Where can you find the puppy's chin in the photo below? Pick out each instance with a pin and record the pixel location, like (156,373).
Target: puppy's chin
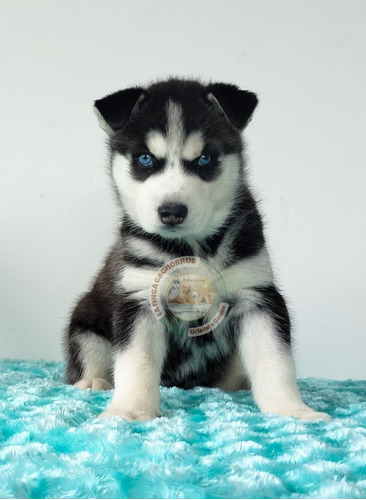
(172,232)
(183,232)
(177,231)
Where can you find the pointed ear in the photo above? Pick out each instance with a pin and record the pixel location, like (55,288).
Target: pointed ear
(238,105)
(114,110)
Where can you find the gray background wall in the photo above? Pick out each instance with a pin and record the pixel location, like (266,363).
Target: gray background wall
(305,59)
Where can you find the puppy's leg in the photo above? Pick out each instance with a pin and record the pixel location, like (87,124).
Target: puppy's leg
(266,354)
(90,361)
(87,341)
(137,372)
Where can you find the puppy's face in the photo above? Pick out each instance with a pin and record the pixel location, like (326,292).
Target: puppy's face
(177,162)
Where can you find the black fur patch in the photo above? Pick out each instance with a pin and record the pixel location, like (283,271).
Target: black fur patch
(207,173)
(116,108)
(274,304)
(237,104)
(140,173)
(127,312)
(213,350)
(174,247)
(249,237)
(242,231)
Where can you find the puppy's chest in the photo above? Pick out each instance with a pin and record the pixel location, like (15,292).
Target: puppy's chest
(200,360)
(226,280)
(212,344)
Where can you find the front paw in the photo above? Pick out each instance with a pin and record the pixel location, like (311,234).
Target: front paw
(302,412)
(312,415)
(95,384)
(131,415)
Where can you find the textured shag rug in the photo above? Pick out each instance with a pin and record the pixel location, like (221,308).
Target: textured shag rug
(208,444)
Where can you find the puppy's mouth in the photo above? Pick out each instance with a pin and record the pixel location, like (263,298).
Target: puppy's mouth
(174,231)
(171,229)
(172,221)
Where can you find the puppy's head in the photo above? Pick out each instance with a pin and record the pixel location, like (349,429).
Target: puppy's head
(176,153)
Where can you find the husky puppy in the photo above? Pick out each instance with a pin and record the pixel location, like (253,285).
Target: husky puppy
(177,160)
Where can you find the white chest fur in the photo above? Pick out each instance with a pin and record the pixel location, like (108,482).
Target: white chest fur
(249,273)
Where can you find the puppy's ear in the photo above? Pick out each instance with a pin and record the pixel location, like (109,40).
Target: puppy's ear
(114,110)
(238,105)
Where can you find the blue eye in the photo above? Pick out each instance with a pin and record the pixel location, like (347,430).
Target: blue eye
(204,160)
(145,160)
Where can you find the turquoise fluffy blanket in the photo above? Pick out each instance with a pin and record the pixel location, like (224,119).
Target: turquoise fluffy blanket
(208,444)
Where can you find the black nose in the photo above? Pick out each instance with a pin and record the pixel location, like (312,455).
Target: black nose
(172,213)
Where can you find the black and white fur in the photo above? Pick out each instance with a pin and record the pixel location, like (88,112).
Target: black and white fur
(113,337)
